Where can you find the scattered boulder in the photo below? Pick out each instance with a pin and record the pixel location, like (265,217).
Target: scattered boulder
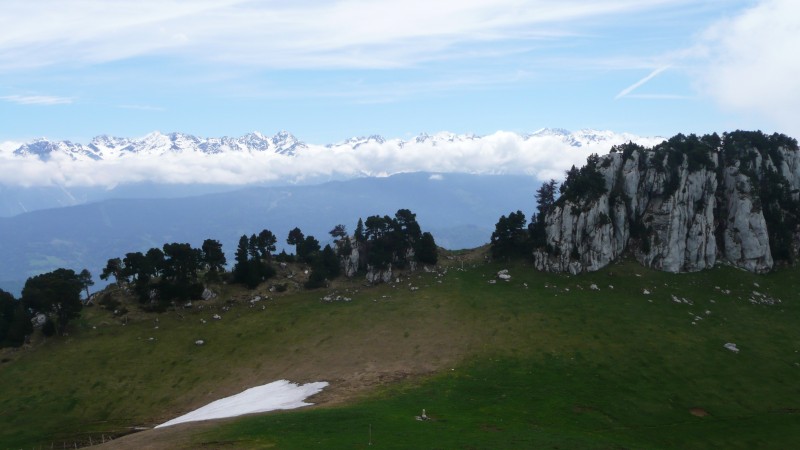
(330,298)
(681,300)
(732,347)
(758,298)
(199,342)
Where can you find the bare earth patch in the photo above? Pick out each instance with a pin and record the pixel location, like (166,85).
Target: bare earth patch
(698,412)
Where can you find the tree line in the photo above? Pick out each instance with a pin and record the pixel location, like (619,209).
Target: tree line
(53,297)
(179,272)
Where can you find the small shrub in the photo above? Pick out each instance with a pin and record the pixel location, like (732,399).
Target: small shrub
(108,302)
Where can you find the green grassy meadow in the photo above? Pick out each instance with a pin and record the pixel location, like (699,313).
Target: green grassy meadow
(540,361)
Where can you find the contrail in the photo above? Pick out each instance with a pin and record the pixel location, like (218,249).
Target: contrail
(644,80)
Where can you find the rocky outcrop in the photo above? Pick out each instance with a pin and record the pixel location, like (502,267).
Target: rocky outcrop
(681,206)
(350,256)
(353,258)
(377,275)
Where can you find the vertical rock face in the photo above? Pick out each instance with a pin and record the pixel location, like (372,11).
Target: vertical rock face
(351,262)
(745,237)
(682,224)
(681,206)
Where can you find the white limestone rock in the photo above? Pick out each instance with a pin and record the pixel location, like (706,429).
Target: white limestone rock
(683,215)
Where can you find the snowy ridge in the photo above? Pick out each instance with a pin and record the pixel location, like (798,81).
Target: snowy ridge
(586,137)
(156,143)
(283,143)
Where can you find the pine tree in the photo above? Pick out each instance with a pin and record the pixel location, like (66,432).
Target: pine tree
(242,266)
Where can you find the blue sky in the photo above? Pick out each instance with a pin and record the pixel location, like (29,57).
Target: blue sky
(330,70)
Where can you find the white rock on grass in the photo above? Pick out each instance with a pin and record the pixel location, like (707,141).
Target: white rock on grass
(732,347)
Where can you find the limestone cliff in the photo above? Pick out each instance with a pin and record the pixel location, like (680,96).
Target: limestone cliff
(683,205)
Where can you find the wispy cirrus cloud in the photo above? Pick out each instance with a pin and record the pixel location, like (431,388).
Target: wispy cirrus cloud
(37,99)
(308,34)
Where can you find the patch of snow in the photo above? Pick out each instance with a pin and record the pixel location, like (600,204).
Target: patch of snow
(281,394)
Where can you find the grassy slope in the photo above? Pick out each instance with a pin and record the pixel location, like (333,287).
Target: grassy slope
(504,366)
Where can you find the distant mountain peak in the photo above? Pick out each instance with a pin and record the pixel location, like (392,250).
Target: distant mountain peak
(551,132)
(45,149)
(358,141)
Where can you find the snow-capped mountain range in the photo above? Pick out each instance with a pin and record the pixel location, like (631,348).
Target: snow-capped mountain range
(107,147)
(284,143)
(177,160)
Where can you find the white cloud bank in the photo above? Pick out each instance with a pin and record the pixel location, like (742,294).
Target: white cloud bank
(751,64)
(541,155)
(277,395)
